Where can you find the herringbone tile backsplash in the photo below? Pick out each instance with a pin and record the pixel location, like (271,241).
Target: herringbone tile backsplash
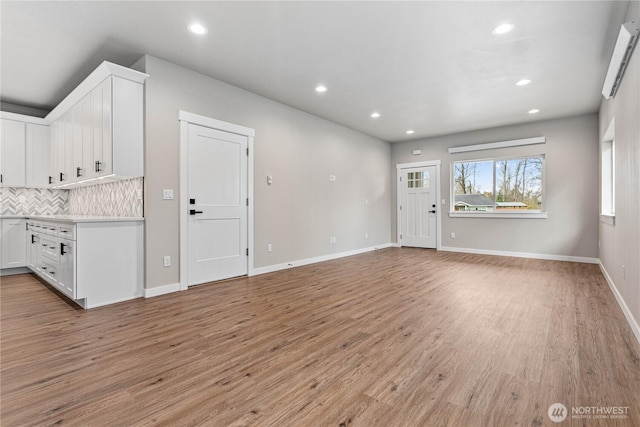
(118,199)
(33,201)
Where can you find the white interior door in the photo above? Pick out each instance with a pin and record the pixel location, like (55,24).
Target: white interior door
(418,207)
(217,192)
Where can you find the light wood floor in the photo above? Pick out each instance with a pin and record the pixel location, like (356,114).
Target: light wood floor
(397,337)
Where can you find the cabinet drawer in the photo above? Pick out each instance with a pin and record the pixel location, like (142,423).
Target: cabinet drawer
(50,271)
(67,232)
(49,248)
(48,228)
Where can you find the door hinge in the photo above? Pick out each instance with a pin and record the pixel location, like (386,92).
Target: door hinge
(400,207)
(401,237)
(247,151)
(247,201)
(247,251)
(400,178)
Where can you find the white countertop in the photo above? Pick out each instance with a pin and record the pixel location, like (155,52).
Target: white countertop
(74,218)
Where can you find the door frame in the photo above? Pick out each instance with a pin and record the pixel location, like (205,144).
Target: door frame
(186,119)
(399,172)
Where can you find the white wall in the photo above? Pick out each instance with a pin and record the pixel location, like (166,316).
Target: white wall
(620,243)
(302,209)
(570,198)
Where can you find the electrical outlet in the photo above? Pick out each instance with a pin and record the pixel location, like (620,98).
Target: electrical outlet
(624,272)
(332,178)
(167,261)
(269,247)
(453,235)
(167,194)
(366,201)
(366,235)
(332,239)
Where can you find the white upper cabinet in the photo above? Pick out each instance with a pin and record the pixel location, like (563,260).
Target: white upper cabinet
(12,153)
(102,123)
(55,140)
(37,155)
(96,132)
(24,152)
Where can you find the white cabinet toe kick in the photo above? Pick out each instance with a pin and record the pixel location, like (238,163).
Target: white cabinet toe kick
(92,263)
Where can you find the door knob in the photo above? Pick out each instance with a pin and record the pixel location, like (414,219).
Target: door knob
(433,211)
(193,212)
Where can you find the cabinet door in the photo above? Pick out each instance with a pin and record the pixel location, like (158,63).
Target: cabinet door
(102,145)
(33,242)
(76,118)
(65,154)
(54,132)
(37,150)
(87,138)
(14,243)
(66,267)
(12,153)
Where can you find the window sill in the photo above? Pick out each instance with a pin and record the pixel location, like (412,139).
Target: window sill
(608,219)
(529,215)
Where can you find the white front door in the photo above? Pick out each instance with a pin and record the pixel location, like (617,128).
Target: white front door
(418,207)
(217,204)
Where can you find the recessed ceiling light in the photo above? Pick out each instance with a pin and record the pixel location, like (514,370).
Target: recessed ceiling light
(199,29)
(409,132)
(502,29)
(375,115)
(534,111)
(523,82)
(321,88)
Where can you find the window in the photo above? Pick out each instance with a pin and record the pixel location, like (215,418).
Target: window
(608,182)
(608,173)
(502,186)
(417,180)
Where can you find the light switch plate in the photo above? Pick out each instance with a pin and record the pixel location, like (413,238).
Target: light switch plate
(167,194)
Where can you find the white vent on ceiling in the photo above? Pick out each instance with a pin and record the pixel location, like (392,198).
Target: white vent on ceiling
(621,54)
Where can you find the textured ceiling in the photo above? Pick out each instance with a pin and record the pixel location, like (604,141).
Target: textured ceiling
(433,67)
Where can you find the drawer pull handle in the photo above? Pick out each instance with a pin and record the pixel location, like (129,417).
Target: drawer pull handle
(62,252)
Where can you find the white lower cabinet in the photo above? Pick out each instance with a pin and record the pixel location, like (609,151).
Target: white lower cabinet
(66,267)
(93,263)
(13,252)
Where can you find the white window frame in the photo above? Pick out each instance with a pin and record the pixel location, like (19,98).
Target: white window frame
(608,176)
(535,214)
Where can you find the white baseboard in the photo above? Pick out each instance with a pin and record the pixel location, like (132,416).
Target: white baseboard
(115,301)
(301,262)
(160,290)
(522,255)
(623,305)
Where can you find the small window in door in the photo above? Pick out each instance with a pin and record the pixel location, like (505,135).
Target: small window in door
(417,180)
